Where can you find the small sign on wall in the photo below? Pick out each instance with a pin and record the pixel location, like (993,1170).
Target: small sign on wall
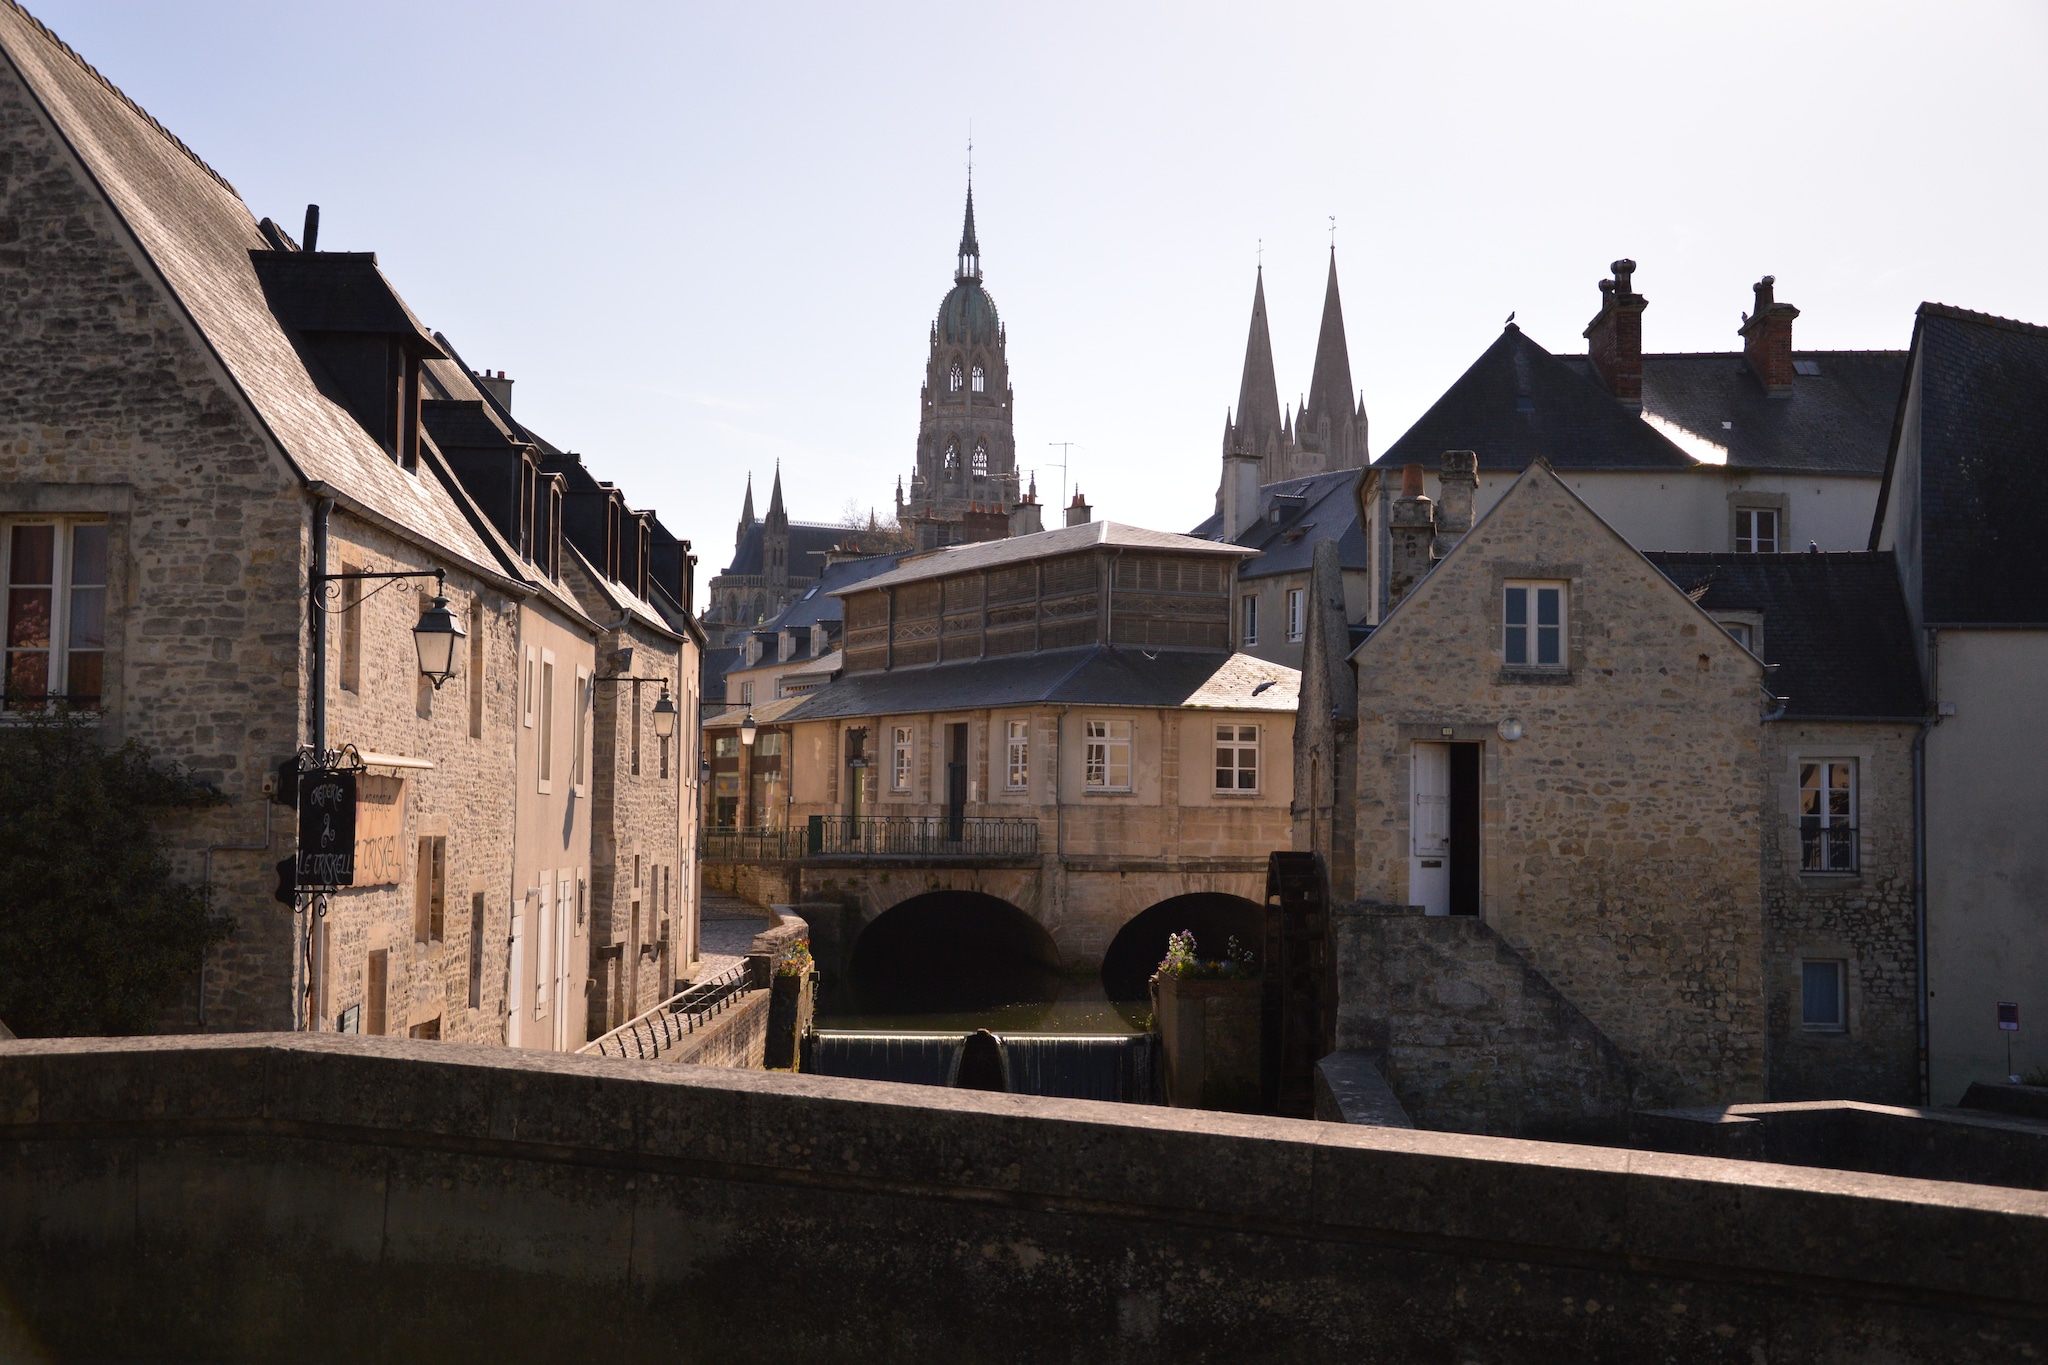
(350,1020)
(2009,1015)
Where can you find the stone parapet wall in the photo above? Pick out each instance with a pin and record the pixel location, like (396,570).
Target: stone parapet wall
(738,1038)
(268,1198)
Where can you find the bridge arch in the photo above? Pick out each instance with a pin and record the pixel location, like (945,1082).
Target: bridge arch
(1213,917)
(948,950)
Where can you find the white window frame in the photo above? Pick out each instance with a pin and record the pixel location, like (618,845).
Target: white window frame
(953,378)
(1017,756)
(902,757)
(978,377)
(747,693)
(1840,1023)
(579,732)
(1106,755)
(1750,520)
(532,683)
(1828,854)
(1233,742)
(1295,615)
(1248,619)
(63,556)
(545,767)
(1530,632)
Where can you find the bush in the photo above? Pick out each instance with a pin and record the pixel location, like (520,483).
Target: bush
(1183,963)
(95,937)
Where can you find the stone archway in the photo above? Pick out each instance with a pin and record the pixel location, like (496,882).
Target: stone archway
(1213,917)
(945,950)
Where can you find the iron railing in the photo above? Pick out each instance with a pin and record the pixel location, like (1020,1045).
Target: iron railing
(876,836)
(674,1019)
(1827,848)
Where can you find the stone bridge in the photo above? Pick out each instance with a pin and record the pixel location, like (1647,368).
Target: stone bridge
(330,1198)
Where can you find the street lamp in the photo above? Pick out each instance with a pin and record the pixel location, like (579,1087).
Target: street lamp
(664,714)
(748,730)
(434,639)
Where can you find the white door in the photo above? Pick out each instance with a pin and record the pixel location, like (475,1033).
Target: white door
(565,929)
(1429,829)
(543,966)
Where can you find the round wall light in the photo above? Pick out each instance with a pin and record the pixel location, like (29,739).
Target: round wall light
(1510,730)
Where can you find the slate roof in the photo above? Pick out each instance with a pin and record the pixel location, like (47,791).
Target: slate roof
(1317,508)
(713,665)
(196,231)
(1835,625)
(817,602)
(989,554)
(1983,475)
(808,543)
(1518,403)
(1093,675)
(1836,421)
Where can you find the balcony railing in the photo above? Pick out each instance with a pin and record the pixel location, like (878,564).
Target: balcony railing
(1827,848)
(876,836)
(660,1029)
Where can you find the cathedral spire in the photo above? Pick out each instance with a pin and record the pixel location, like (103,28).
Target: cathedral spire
(970,249)
(1329,417)
(1258,396)
(775,512)
(747,509)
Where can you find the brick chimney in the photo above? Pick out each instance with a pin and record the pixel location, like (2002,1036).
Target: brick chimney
(497,386)
(1411,532)
(1456,486)
(1614,338)
(1767,338)
(1079,513)
(1240,492)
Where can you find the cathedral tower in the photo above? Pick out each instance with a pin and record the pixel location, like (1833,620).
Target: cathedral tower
(1328,432)
(964,484)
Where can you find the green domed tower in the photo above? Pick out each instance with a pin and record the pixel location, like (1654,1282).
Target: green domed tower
(964,486)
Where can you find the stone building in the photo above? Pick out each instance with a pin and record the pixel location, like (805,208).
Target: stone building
(1761,450)
(1287,523)
(774,562)
(200,416)
(1050,733)
(1633,873)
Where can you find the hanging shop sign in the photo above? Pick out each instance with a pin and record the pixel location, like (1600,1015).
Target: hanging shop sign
(380,820)
(327,828)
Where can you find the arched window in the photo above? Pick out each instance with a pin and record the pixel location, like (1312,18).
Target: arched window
(953,455)
(953,379)
(980,380)
(980,458)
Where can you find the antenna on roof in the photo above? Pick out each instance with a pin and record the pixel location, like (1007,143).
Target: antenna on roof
(1064,446)
(1333,234)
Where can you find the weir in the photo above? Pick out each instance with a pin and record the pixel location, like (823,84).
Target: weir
(1116,1067)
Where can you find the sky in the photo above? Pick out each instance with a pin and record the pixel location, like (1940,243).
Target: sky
(705,239)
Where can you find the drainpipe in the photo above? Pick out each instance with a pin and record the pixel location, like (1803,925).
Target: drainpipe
(303,933)
(1920,857)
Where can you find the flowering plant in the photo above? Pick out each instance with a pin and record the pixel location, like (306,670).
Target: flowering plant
(1182,962)
(796,959)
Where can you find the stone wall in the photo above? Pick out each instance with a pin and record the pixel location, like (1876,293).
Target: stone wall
(350,1198)
(1863,920)
(1619,841)
(736,1038)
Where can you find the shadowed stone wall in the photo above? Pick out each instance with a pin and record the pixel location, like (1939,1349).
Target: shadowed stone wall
(339,1198)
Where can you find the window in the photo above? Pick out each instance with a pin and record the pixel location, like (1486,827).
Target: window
(746,694)
(663,740)
(953,379)
(1237,758)
(1294,615)
(1018,760)
(476,949)
(376,990)
(953,454)
(900,748)
(351,631)
(431,1030)
(1756,531)
(980,460)
(547,721)
(527,704)
(476,669)
(430,890)
(422,690)
(636,733)
(1827,815)
(1822,998)
(1740,630)
(980,380)
(1107,756)
(1532,625)
(1250,616)
(56,613)
(578,729)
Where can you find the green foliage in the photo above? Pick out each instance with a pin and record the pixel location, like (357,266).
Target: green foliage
(1184,963)
(796,959)
(95,937)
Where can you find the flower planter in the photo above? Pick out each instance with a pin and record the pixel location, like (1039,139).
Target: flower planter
(1209,1033)
(791,1002)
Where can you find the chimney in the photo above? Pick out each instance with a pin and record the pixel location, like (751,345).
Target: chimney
(1078,514)
(1240,493)
(497,386)
(1411,533)
(309,240)
(1767,339)
(1455,487)
(1614,338)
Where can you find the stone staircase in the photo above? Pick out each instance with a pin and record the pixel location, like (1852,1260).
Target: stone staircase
(1470,1036)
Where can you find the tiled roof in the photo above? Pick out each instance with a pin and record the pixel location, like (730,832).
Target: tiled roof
(764,713)
(989,554)
(1319,507)
(1836,420)
(1518,403)
(1834,624)
(197,232)
(1983,470)
(1094,675)
(808,544)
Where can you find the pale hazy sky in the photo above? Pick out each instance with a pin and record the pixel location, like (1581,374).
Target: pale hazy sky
(705,237)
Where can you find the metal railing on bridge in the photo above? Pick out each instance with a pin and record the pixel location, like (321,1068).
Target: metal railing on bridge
(674,1019)
(877,836)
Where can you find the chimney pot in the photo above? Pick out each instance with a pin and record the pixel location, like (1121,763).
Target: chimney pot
(1767,339)
(1411,480)
(309,240)
(1614,338)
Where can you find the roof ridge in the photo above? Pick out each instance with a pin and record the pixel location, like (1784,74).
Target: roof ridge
(1949,310)
(123,96)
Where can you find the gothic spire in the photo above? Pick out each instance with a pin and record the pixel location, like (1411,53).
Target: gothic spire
(1258,396)
(970,249)
(747,509)
(1329,388)
(775,512)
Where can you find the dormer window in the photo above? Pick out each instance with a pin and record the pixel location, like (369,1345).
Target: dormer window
(980,457)
(953,380)
(980,380)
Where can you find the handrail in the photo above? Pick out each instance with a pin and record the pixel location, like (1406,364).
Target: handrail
(883,836)
(648,1035)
